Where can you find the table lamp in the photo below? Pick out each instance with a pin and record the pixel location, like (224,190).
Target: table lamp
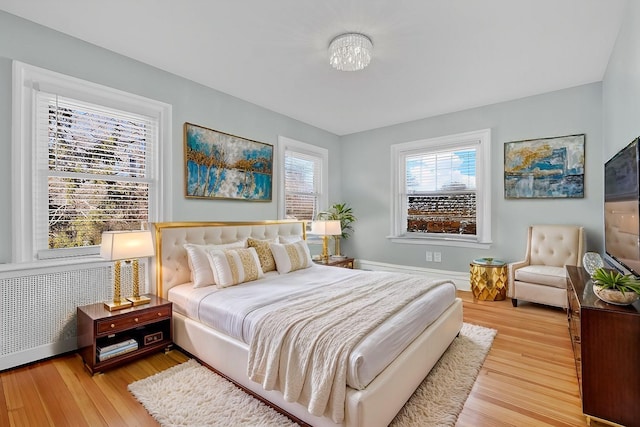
(126,246)
(326,229)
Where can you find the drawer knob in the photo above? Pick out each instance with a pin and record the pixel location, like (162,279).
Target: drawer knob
(159,314)
(113,325)
(136,319)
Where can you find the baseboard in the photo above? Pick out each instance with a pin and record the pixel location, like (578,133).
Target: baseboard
(31,355)
(460,279)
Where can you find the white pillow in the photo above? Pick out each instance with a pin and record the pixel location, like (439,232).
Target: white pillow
(201,274)
(233,266)
(289,239)
(291,256)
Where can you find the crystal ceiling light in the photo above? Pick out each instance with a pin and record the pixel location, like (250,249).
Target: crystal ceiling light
(350,52)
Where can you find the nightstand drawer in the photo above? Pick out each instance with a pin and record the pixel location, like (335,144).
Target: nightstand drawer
(118,323)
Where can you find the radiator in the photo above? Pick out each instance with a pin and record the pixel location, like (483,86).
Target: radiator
(38,315)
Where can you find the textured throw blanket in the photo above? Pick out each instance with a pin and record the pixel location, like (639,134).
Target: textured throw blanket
(302,349)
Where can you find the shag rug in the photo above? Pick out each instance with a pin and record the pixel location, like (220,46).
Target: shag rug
(192,395)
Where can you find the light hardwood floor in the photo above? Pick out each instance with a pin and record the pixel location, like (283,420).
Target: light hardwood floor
(528,379)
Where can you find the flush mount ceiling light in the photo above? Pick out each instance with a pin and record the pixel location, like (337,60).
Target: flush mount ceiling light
(350,52)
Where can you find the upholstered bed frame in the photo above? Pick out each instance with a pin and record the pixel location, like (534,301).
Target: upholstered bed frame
(374,406)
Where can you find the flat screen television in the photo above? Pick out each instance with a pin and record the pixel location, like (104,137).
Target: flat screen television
(622,210)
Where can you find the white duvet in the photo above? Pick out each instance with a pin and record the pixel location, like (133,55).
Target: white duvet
(235,311)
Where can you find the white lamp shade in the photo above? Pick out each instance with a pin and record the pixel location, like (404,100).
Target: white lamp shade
(119,245)
(326,228)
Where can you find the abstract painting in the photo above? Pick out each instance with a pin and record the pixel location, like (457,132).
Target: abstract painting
(544,168)
(223,166)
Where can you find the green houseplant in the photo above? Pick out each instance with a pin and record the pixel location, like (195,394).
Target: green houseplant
(343,213)
(615,288)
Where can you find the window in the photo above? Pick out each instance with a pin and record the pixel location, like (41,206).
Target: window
(304,179)
(443,190)
(96,153)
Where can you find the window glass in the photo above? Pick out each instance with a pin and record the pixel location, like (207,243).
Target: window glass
(302,185)
(94,161)
(443,190)
(86,159)
(303,179)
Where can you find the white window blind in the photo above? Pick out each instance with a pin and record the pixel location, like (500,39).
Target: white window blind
(302,180)
(441,171)
(93,170)
(441,191)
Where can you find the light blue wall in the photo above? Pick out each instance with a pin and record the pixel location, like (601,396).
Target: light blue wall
(621,85)
(366,176)
(359,163)
(36,45)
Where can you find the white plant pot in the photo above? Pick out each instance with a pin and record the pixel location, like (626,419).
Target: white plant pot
(615,297)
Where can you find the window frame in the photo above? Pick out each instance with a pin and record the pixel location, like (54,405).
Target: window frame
(287,144)
(400,151)
(26,80)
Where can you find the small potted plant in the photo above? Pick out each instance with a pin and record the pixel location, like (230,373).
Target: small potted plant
(615,288)
(339,212)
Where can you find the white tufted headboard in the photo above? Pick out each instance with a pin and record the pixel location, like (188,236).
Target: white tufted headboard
(172,267)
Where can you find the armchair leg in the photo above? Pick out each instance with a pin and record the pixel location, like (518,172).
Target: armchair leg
(514,302)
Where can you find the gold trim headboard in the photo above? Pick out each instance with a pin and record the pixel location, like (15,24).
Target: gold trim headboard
(171,265)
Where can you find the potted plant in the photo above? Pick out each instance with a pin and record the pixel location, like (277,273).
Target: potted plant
(339,212)
(615,288)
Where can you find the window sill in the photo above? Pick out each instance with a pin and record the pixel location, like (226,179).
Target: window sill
(439,242)
(78,262)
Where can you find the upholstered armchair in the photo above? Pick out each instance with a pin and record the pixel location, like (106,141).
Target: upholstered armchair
(541,276)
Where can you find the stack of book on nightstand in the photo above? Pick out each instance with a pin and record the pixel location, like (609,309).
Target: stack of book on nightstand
(117,349)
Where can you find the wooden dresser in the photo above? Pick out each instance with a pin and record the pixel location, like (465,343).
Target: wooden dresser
(606,347)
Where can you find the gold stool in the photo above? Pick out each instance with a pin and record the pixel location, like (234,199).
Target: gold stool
(488,279)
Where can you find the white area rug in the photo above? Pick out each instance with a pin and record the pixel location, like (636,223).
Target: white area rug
(192,395)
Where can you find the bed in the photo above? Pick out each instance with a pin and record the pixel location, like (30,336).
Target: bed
(378,382)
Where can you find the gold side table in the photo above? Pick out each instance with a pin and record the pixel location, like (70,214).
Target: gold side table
(488,279)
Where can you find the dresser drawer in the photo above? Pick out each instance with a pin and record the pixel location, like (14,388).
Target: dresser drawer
(129,320)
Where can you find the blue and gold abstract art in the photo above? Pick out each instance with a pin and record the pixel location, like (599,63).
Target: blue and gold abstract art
(544,168)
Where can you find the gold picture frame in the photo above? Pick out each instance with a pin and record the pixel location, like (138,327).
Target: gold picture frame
(219,165)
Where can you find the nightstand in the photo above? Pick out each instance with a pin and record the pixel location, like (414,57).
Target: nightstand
(107,339)
(338,262)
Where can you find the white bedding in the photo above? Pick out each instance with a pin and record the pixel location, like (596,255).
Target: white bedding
(235,310)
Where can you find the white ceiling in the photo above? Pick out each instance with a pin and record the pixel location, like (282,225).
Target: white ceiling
(430,56)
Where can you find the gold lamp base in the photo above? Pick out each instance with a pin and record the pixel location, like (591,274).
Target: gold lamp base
(140,300)
(117,305)
(325,249)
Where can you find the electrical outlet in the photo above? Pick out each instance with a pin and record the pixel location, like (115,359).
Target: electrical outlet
(429,256)
(437,256)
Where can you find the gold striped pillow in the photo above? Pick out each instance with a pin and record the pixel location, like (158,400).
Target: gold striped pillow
(291,256)
(234,266)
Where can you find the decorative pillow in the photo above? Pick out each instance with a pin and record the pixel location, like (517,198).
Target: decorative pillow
(233,266)
(291,256)
(201,274)
(264,253)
